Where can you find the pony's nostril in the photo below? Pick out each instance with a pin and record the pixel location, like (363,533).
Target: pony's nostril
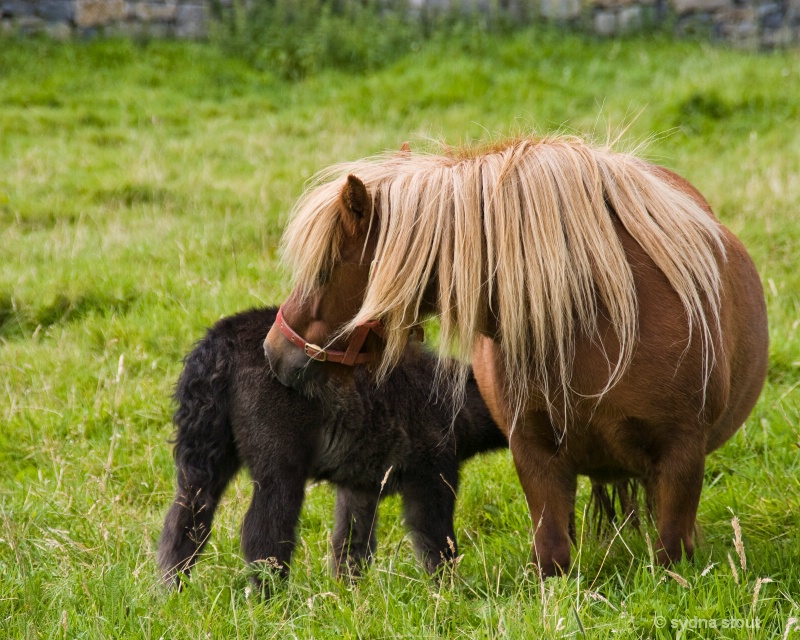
(287,367)
(274,355)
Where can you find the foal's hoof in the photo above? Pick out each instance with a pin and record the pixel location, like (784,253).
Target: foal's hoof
(173,580)
(266,575)
(350,569)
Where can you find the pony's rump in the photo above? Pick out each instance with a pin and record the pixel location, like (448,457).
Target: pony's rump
(525,233)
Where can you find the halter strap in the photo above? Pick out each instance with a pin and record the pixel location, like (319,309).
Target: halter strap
(352,356)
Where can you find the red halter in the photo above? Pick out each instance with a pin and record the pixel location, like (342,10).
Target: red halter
(350,357)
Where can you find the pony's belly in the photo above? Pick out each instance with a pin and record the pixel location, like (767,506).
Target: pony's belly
(604,467)
(611,450)
(609,474)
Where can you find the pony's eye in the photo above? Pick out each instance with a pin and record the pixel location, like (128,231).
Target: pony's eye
(322,278)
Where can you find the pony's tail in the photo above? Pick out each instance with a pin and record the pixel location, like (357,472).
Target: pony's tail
(205,455)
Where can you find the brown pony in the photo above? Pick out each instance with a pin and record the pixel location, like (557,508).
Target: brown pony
(615,327)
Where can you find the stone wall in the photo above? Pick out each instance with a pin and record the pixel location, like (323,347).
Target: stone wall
(145,18)
(744,23)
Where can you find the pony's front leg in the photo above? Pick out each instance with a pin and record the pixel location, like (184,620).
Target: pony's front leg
(675,490)
(268,531)
(354,531)
(549,485)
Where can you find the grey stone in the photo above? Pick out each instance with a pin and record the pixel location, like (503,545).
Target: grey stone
(560,9)
(630,19)
(605,23)
(697,24)
(739,27)
(686,6)
(155,11)
(769,7)
(190,21)
(95,13)
(771,19)
(793,13)
(125,29)
(611,4)
(56,10)
(89,33)
(16,8)
(59,31)
(158,30)
(742,20)
(138,30)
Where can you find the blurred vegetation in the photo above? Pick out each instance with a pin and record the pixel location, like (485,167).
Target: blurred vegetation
(297,38)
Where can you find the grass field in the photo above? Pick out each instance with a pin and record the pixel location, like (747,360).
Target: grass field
(143,190)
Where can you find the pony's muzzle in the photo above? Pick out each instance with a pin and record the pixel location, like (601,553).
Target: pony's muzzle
(290,365)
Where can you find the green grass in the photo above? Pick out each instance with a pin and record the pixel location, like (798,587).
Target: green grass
(143,190)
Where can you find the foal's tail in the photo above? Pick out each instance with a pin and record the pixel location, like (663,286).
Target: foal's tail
(205,455)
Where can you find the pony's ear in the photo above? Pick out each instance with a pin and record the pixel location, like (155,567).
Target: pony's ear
(355,202)
(405,149)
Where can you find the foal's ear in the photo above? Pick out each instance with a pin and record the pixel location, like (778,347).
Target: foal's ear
(355,203)
(405,149)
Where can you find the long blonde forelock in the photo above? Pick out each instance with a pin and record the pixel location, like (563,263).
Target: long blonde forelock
(521,230)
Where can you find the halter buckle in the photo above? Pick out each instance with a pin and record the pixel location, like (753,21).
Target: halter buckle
(315,352)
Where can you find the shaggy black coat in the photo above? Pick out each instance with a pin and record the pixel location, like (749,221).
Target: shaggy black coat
(232,412)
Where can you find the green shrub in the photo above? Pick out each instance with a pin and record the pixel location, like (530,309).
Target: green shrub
(294,39)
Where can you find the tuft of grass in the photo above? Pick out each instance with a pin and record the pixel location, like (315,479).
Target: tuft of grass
(143,190)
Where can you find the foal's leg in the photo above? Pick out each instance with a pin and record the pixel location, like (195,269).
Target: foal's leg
(354,531)
(268,531)
(549,485)
(675,488)
(428,504)
(187,525)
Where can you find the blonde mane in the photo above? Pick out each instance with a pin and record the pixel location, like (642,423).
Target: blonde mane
(521,230)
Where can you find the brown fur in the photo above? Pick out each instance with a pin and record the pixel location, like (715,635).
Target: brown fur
(647,400)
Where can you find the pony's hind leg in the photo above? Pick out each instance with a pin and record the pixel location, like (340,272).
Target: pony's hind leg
(354,531)
(675,489)
(268,530)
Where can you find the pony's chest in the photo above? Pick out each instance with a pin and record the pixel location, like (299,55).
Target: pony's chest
(358,453)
